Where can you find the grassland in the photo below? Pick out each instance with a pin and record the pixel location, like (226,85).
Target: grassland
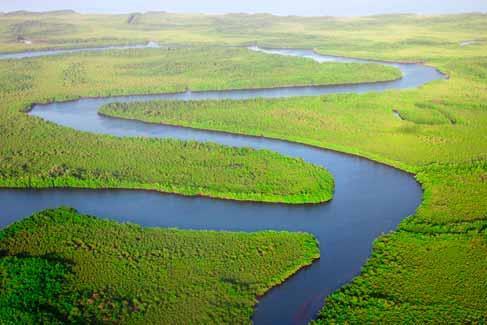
(402,35)
(58,266)
(432,269)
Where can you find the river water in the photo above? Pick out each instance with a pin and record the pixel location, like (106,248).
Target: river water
(370,198)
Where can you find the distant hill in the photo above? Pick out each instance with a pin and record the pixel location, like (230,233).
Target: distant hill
(27,13)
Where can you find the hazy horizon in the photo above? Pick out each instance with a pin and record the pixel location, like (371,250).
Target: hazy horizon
(283,7)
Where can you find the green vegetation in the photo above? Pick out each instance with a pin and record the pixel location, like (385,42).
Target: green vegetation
(414,273)
(397,36)
(409,280)
(432,269)
(37,154)
(187,168)
(202,68)
(60,266)
(29,286)
(347,122)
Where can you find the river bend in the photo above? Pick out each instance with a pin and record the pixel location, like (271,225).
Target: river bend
(370,198)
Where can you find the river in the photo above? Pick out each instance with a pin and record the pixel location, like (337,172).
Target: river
(370,198)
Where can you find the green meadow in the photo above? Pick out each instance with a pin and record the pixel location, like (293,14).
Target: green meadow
(431,269)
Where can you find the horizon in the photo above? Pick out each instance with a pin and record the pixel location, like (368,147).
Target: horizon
(239,13)
(281,8)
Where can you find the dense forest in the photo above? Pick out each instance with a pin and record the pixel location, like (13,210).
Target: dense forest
(58,266)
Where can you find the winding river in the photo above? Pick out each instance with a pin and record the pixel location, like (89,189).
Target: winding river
(370,198)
